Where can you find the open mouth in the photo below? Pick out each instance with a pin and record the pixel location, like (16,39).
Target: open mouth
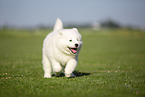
(73,50)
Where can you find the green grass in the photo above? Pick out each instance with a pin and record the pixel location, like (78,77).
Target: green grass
(111,64)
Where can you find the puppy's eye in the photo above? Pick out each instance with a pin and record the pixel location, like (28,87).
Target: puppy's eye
(70,40)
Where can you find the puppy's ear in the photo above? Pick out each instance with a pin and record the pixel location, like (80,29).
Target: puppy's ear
(75,29)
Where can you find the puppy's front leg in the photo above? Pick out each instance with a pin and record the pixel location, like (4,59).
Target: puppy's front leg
(70,67)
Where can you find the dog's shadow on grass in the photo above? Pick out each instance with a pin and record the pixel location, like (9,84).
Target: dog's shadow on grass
(80,74)
(77,73)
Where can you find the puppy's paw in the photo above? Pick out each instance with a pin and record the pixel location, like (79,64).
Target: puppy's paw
(70,75)
(47,75)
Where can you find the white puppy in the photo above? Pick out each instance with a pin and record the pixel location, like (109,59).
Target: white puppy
(60,50)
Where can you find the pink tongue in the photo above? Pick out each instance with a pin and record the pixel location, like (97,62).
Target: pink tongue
(74,51)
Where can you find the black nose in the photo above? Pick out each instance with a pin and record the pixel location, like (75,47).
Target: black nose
(76,45)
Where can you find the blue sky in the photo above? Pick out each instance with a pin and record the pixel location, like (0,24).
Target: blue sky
(36,12)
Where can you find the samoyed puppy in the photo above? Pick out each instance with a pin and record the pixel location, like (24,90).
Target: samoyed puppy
(60,51)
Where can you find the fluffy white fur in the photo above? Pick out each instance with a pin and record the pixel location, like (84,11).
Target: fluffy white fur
(60,50)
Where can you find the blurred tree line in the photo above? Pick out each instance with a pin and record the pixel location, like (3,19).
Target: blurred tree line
(109,23)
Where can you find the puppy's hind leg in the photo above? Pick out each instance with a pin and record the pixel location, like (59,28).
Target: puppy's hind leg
(56,67)
(46,66)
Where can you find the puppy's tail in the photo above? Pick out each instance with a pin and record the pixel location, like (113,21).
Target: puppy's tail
(58,25)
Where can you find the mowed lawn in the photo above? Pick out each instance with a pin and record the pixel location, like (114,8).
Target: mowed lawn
(111,64)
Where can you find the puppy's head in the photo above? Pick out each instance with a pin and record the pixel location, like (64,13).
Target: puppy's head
(70,41)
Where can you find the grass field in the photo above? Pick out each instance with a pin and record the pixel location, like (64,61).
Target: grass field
(111,64)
